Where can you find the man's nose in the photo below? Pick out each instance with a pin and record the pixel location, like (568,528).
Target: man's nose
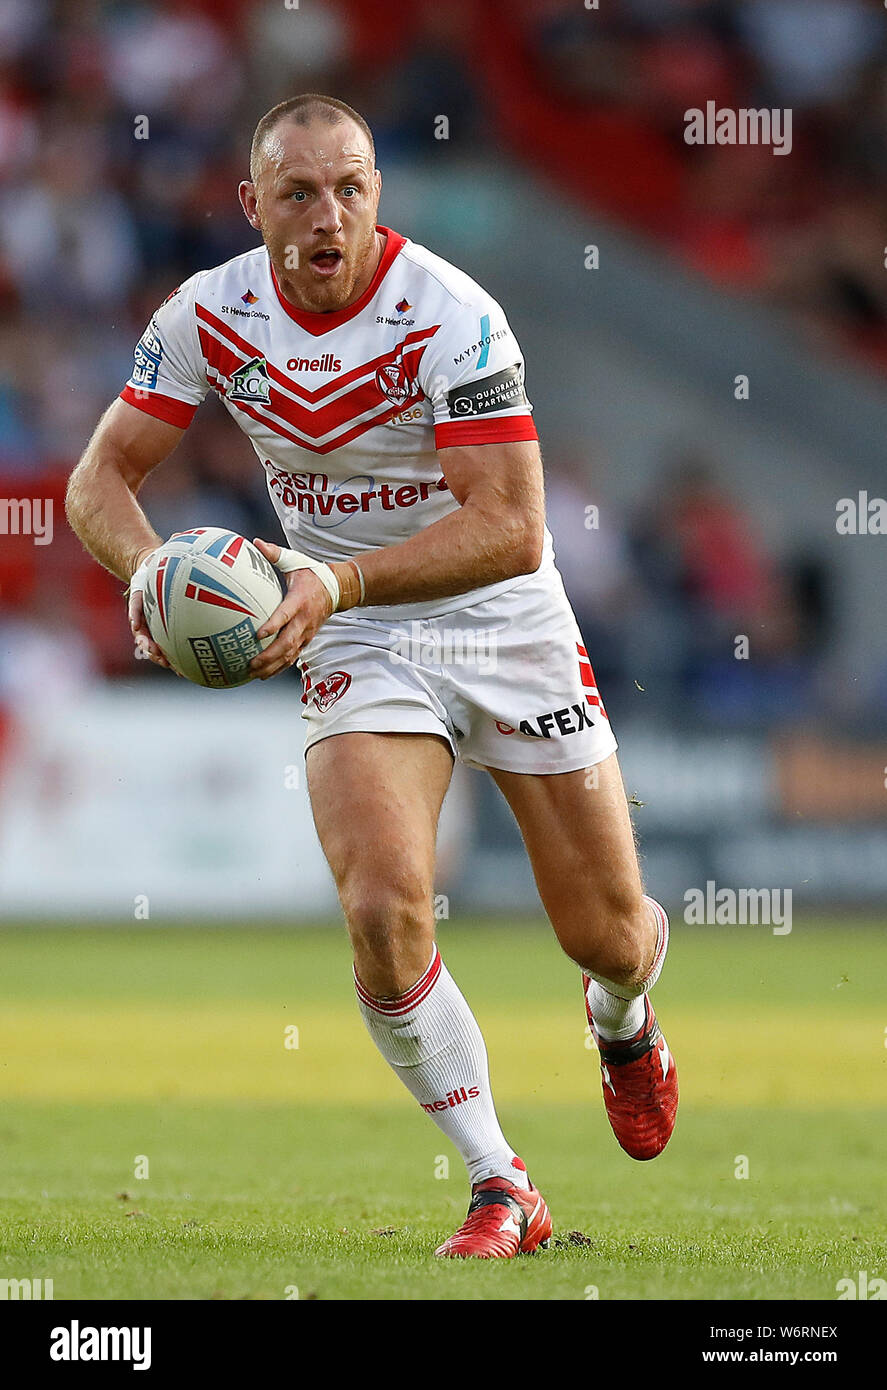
(327,214)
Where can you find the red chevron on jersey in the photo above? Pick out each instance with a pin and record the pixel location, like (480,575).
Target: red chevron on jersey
(363,405)
(419,335)
(319,426)
(359,428)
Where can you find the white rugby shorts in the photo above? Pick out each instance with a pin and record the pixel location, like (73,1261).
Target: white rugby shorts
(507,682)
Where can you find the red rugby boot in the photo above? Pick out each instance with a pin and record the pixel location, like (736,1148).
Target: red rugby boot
(640,1083)
(502,1221)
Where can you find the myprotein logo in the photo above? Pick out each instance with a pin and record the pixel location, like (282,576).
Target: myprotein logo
(455,1097)
(554,723)
(482,346)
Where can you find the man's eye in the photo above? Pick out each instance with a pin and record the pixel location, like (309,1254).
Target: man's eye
(299,195)
(349,190)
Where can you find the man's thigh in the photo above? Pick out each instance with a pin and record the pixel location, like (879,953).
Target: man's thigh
(376,800)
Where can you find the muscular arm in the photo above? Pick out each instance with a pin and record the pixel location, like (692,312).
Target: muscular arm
(496,533)
(101,501)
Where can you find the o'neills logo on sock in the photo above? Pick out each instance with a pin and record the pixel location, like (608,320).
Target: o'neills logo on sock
(457,1097)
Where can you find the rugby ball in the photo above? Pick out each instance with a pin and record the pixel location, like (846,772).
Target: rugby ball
(207,591)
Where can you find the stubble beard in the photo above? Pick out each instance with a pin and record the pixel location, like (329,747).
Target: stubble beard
(327,296)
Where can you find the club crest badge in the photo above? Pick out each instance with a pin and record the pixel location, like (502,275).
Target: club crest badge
(327,692)
(395,383)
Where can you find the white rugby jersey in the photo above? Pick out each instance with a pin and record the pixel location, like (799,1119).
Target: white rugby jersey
(345,410)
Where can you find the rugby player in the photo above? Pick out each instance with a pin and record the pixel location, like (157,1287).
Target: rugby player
(383,392)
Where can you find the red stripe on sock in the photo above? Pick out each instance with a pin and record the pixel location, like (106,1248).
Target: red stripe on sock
(663,933)
(403,1003)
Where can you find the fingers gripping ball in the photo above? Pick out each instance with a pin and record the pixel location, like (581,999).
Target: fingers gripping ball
(205,593)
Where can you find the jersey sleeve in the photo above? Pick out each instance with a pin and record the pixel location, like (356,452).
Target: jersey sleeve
(168,377)
(473,374)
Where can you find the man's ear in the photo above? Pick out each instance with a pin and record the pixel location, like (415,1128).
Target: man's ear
(249,202)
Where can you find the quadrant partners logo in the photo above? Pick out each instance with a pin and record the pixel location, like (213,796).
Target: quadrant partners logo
(502,391)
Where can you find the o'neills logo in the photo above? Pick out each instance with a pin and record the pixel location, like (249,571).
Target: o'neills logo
(457,1097)
(327,363)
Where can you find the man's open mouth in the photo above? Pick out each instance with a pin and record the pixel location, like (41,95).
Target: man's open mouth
(327,262)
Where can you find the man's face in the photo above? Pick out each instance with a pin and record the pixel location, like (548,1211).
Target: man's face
(315,199)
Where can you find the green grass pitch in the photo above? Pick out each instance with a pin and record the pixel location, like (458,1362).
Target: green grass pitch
(162,1136)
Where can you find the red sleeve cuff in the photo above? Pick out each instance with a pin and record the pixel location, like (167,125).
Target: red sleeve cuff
(510,430)
(167,408)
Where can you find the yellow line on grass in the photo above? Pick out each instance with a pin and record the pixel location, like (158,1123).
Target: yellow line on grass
(110,1052)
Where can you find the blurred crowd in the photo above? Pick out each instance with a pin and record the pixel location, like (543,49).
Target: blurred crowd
(683,598)
(123,131)
(613,87)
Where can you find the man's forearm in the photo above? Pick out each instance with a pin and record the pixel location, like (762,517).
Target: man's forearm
(103,511)
(464,550)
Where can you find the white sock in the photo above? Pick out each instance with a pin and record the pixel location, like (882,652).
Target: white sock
(619,1011)
(430,1038)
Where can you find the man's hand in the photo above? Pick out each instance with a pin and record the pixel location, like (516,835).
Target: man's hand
(144,643)
(295,621)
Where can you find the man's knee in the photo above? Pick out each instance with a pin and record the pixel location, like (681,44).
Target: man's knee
(391,923)
(616,939)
